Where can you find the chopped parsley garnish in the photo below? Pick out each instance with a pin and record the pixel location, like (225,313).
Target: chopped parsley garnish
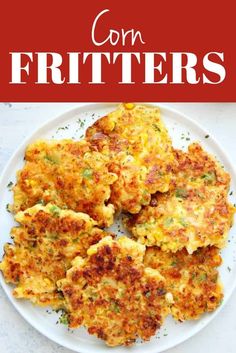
(8,208)
(115,308)
(202,277)
(156,127)
(75,240)
(210,176)
(87,173)
(181,193)
(183,222)
(168,221)
(40,202)
(80,122)
(55,210)
(63,319)
(10,184)
(62,128)
(51,159)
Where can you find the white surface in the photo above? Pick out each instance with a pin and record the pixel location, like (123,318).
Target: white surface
(15,335)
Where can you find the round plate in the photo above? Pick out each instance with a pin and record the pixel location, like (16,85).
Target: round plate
(72,125)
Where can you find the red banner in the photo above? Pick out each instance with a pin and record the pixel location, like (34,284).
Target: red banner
(117,51)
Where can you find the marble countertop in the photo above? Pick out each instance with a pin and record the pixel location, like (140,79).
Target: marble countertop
(20,119)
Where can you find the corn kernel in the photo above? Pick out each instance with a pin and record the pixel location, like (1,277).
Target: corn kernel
(47,281)
(129,106)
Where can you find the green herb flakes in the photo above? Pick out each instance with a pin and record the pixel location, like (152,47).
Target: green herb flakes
(181,193)
(115,308)
(168,221)
(9,185)
(210,177)
(55,210)
(156,127)
(87,173)
(63,319)
(50,159)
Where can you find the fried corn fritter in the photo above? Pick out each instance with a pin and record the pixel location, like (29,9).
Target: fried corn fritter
(68,174)
(113,295)
(46,241)
(195,211)
(193,279)
(140,149)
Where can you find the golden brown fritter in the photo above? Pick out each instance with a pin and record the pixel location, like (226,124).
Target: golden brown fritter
(68,174)
(193,279)
(194,213)
(46,241)
(139,147)
(113,295)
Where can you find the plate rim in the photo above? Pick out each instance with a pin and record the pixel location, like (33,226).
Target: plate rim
(80,108)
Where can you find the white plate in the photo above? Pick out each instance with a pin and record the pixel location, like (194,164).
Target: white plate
(172,333)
